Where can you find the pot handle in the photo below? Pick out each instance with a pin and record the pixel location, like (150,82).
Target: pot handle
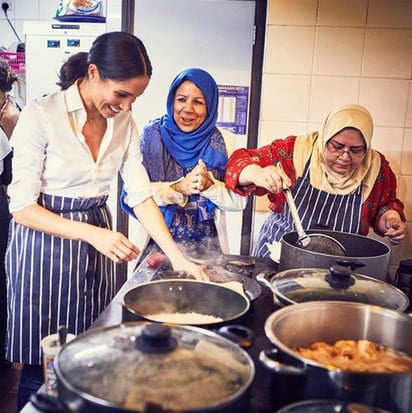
(240,335)
(47,403)
(269,359)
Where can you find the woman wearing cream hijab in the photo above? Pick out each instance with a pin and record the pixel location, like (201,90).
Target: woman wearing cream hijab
(338,181)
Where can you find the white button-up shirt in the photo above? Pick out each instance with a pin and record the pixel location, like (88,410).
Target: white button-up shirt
(51,154)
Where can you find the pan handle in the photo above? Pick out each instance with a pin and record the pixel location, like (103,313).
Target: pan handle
(241,335)
(47,403)
(269,359)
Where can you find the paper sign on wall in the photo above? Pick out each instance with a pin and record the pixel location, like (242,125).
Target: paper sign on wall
(233,108)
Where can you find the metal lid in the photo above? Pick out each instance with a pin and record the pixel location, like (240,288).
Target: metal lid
(329,406)
(138,364)
(338,283)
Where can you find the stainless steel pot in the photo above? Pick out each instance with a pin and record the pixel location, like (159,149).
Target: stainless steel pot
(329,406)
(330,321)
(336,283)
(374,255)
(145,367)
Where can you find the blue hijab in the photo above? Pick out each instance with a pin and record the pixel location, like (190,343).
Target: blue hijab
(188,147)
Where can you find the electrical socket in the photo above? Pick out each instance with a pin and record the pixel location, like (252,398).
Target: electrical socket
(10,3)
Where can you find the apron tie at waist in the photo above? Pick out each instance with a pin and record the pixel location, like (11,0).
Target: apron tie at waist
(95,209)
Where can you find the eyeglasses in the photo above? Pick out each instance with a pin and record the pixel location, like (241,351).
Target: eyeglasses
(338,149)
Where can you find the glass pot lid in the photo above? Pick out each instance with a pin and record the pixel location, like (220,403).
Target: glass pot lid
(139,364)
(337,283)
(329,406)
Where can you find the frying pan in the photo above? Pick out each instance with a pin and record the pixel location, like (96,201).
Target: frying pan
(312,242)
(186,296)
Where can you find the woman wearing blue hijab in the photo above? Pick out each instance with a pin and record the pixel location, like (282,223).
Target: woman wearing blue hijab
(185,155)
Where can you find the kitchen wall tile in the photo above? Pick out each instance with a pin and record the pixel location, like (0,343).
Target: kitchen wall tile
(393,13)
(270,130)
(292,12)
(47,9)
(8,39)
(338,51)
(404,193)
(289,49)
(389,142)
(406,162)
(408,121)
(330,91)
(27,9)
(388,53)
(285,97)
(350,13)
(386,99)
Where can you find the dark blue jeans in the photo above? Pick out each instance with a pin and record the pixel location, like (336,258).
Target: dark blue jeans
(31,379)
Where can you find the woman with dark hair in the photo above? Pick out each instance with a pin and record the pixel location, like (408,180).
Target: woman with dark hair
(6,155)
(9,114)
(74,68)
(9,109)
(68,148)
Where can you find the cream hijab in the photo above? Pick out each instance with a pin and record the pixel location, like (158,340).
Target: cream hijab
(313,146)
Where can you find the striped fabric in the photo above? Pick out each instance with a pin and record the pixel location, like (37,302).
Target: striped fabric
(54,281)
(316,208)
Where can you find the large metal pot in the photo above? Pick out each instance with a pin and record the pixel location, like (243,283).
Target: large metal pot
(330,321)
(329,406)
(336,283)
(150,367)
(373,254)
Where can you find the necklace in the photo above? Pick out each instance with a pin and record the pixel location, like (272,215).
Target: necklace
(92,119)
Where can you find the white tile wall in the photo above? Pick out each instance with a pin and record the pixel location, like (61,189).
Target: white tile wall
(362,53)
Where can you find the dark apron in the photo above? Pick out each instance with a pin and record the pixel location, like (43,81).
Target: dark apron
(317,209)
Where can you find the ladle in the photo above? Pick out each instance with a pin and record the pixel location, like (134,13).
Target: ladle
(313,242)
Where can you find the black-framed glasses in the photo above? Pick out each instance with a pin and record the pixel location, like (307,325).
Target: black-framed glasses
(338,149)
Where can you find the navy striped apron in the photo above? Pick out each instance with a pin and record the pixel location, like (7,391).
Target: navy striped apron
(317,209)
(54,281)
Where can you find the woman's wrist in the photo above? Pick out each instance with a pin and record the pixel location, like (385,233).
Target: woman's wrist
(176,187)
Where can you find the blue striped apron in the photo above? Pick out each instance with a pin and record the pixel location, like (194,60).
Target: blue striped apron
(54,281)
(317,209)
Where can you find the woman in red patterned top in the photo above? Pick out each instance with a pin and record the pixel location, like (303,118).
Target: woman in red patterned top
(338,181)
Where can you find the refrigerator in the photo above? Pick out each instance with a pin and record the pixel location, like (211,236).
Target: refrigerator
(48,45)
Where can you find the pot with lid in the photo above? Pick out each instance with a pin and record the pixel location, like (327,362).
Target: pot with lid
(373,254)
(145,367)
(336,283)
(329,406)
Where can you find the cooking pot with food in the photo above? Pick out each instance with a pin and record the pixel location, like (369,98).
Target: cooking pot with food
(152,367)
(336,283)
(373,254)
(387,332)
(187,301)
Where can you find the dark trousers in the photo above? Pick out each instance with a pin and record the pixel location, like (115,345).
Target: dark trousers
(31,379)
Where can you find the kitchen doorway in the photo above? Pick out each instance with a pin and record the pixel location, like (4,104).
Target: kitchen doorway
(224,37)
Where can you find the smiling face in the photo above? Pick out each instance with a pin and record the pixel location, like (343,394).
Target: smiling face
(350,140)
(108,97)
(189,107)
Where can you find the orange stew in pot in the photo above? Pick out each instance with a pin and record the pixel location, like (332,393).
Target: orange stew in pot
(357,355)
